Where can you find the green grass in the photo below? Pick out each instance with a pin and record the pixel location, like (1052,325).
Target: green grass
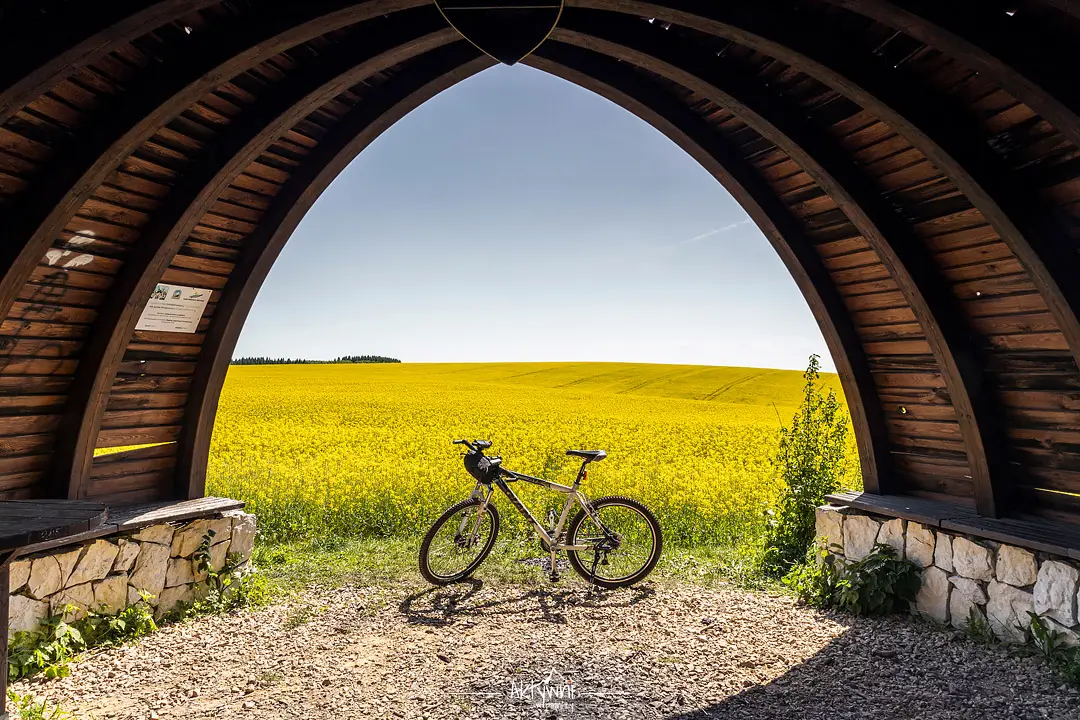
(390,563)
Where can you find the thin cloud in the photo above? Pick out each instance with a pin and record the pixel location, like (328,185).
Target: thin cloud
(710,233)
(670,249)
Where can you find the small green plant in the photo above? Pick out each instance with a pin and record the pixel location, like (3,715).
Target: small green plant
(811,460)
(223,590)
(978,629)
(879,584)
(46,649)
(49,648)
(1049,642)
(1041,638)
(814,580)
(25,707)
(132,622)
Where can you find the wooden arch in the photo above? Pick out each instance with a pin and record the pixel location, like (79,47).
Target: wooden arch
(915,164)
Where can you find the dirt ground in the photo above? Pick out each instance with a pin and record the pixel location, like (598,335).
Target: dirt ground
(479,651)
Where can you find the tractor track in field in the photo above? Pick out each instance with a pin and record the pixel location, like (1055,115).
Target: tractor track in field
(671,650)
(650,381)
(734,383)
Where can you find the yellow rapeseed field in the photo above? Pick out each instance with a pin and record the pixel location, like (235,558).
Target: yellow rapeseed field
(366,449)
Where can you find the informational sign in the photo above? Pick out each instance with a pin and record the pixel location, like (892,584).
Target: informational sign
(174,308)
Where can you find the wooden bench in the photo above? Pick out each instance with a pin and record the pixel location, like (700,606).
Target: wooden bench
(1039,534)
(30,522)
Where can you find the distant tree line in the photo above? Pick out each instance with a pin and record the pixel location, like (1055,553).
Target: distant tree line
(300,361)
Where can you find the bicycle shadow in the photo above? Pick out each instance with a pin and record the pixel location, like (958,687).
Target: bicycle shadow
(442,606)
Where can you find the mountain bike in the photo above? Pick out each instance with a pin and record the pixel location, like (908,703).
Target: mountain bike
(611,542)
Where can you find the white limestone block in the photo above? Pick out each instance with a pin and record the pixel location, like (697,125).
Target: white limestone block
(150,568)
(860,534)
(95,563)
(110,594)
(218,557)
(134,596)
(179,572)
(919,544)
(45,578)
(971,560)
(1016,566)
(892,534)
(125,558)
(243,533)
(1067,637)
(933,598)
(67,561)
(1056,591)
(222,527)
(943,552)
(171,597)
(1008,610)
(25,614)
(187,539)
(960,607)
(970,589)
(157,534)
(19,574)
(829,528)
(72,601)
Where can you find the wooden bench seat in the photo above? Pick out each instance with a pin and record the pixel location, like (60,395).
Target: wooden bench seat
(123,518)
(1039,534)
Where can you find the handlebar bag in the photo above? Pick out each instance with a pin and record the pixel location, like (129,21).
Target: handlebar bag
(480,467)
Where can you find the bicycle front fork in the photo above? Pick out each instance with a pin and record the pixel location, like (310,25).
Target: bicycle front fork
(555,539)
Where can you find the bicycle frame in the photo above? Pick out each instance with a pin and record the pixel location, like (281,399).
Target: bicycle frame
(552,539)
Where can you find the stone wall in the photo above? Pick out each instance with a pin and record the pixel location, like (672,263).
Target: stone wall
(112,572)
(960,573)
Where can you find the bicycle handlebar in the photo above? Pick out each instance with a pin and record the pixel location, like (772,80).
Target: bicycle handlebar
(475,445)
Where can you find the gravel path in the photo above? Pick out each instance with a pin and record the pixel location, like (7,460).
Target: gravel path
(477,651)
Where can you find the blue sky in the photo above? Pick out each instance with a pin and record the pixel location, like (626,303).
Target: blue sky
(518,217)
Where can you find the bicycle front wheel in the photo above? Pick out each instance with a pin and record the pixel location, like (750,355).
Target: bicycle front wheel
(458,542)
(624,542)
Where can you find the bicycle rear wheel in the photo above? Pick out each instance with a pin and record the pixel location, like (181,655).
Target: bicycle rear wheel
(458,542)
(623,548)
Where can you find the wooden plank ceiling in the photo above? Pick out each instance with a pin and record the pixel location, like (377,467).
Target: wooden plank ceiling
(915,164)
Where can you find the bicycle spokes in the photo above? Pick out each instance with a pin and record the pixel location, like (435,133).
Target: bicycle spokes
(620,542)
(457,544)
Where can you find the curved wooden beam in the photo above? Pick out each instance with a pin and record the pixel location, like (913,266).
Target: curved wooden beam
(222,52)
(40,52)
(243,143)
(360,128)
(944,134)
(904,255)
(1007,49)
